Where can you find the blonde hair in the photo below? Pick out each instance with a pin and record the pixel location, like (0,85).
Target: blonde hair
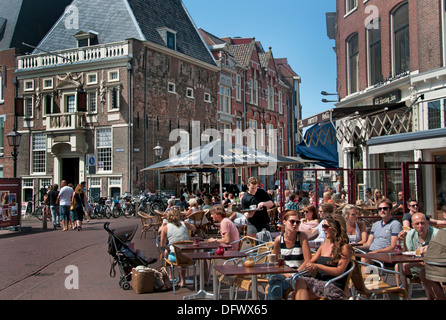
(173,216)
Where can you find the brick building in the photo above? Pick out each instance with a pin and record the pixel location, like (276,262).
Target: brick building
(258,100)
(393,51)
(20,21)
(120,78)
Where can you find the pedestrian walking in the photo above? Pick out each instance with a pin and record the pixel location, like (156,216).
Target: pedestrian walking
(54,208)
(77,199)
(64,200)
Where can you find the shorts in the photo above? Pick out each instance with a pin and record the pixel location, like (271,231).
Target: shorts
(64,212)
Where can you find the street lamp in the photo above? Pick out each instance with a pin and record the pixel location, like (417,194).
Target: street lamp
(14,138)
(158,153)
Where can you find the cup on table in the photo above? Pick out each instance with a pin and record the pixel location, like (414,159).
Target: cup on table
(272,259)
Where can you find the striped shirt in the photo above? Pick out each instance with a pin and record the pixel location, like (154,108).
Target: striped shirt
(294,257)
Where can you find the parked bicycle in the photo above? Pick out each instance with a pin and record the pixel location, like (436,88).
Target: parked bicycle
(149,202)
(38,212)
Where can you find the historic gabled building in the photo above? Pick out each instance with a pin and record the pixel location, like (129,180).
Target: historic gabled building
(121,77)
(258,99)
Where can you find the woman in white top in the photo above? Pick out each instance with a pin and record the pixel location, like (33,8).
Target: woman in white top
(356,230)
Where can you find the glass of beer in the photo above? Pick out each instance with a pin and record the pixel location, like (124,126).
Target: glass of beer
(280,261)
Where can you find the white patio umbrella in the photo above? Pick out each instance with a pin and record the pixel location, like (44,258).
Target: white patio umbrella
(221,154)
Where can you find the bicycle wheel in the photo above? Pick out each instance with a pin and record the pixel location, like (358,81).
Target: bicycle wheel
(116,213)
(108,212)
(39,213)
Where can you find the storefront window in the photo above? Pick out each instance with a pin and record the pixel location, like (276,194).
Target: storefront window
(394,177)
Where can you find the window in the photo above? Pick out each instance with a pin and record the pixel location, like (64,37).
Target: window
(350,5)
(92,102)
(39,153)
(113,76)
(171,87)
(374,43)
(238,88)
(2,134)
(86,39)
(254,86)
(207,97)
(225,100)
(104,149)
(95,188)
(280,102)
(70,103)
(226,131)
(48,83)
(434,114)
(190,93)
(92,78)
(2,88)
(252,134)
(114,95)
(352,64)
(401,46)
(28,85)
(47,100)
(29,107)
(169,37)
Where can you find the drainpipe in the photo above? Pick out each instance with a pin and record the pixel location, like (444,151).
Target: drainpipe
(130,144)
(146,61)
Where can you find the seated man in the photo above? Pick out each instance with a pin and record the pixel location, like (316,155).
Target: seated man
(384,234)
(423,233)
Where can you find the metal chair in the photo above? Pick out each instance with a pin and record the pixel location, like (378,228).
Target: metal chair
(373,285)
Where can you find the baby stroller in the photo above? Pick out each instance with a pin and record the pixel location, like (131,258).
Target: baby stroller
(123,255)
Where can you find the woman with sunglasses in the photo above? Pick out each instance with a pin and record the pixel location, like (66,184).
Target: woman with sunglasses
(356,230)
(310,220)
(331,260)
(294,248)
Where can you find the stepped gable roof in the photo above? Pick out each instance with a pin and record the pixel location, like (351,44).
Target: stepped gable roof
(118,20)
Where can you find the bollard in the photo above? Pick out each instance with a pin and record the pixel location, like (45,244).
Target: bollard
(44,220)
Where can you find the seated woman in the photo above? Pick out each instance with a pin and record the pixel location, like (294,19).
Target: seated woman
(310,221)
(293,203)
(356,230)
(193,207)
(331,260)
(293,246)
(228,230)
(175,230)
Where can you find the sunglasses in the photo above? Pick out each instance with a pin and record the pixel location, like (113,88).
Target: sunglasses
(383,208)
(294,221)
(414,205)
(325,226)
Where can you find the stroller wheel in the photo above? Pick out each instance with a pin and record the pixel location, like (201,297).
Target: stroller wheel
(125,285)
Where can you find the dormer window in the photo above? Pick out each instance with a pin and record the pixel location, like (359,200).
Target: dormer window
(86,39)
(169,37)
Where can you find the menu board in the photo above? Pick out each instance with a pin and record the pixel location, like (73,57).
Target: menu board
(10,199)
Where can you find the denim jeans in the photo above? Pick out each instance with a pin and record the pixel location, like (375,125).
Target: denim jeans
(55,215)
(278,284)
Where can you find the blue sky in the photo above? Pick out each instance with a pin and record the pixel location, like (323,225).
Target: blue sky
(295,29)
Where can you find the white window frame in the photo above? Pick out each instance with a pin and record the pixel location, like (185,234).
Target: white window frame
(92,82)
(89,100)
(171,87)
(111,74)
(118,98)
(98,147)
(225,100)
(49,86)
(280,102)
(207,97)
(30,108)
(28,85)
(238,87)
(190,93)
(2,87)
(2,133)
(40,169)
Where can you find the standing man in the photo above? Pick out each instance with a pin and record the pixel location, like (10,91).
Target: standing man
(64,200)
(257,220)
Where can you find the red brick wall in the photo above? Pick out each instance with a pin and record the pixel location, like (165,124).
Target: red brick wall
(424,30)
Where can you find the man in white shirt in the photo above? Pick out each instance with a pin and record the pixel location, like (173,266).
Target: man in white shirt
(64,200)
